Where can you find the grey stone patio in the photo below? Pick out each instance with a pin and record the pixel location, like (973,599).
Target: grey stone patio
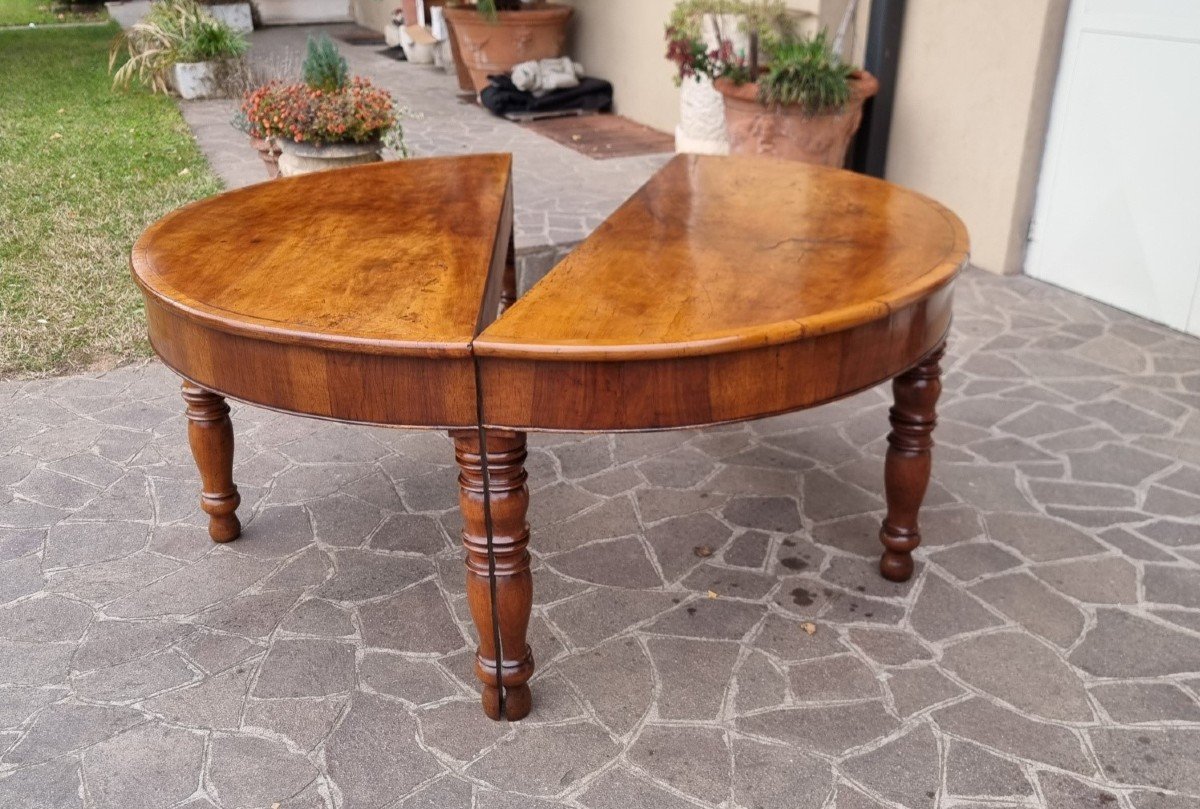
(1047,653)
(709,627)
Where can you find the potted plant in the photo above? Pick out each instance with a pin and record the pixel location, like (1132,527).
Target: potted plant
(698,33)
(494,36)
(179,45)
(787,96)
(328,120)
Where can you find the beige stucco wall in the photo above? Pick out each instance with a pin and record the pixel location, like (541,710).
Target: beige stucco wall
(972,101)
(373,14)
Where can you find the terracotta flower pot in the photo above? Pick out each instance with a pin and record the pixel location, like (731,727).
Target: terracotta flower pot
(268,152)
(460,67)
(306,158)
(787,131)
(492,46)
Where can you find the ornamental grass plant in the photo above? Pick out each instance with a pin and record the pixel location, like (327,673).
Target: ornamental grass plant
(172,32)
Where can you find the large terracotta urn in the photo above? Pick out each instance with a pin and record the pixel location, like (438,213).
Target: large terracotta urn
(788,131)
(490,46)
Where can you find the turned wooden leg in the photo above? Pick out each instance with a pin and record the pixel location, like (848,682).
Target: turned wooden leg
(508,289)
(909,462)
(499,584)
(210,432)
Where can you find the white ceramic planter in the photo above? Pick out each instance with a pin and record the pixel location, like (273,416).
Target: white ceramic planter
(701,127)
(306,158)
(236,15)
(195,79)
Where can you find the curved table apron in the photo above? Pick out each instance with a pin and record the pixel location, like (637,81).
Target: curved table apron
(725,289)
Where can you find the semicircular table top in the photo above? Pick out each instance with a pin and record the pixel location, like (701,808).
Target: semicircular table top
(721,254)
(720,279)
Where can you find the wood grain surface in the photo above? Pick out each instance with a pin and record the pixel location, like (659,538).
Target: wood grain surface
(728,253)
(388,258)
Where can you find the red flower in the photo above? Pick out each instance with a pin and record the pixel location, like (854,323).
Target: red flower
(359,112)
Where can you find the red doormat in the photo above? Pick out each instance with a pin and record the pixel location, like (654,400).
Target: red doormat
(603,136)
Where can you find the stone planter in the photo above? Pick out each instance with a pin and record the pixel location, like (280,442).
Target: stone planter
(788,131)
(236,15)
(268,152)
(194,80)
(306,158)
(490,47)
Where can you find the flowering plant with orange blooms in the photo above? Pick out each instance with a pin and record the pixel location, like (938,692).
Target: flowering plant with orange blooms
(357,112)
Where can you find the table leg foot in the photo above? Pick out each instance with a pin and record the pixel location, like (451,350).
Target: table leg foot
(210,434)
(502,622)
(909,462)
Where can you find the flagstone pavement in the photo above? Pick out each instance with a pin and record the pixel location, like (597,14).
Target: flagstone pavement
(709,627)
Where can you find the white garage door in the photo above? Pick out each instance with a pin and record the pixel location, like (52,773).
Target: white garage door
(1118,211)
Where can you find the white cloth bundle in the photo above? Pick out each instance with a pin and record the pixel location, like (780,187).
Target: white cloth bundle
(545,75)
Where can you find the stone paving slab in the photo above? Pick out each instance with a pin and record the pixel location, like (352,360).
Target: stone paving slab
(1046,654)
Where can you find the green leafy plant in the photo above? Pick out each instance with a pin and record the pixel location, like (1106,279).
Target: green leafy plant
(789,69)
(173,31)
(208,42)
(806,73)
(324,68)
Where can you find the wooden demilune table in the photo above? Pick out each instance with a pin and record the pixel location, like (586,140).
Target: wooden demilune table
(725,289)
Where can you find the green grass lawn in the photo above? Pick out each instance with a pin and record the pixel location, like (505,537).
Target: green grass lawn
(83,170)
(42,12)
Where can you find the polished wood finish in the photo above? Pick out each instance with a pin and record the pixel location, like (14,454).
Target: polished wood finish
(210,434)
(909,462)
(494,500)
(351,295)
(725,289)
(719,254)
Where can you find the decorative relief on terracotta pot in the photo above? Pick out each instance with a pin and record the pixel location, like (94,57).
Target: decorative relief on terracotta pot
(522,40)
(475,46)
(789,131)
(488,47)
